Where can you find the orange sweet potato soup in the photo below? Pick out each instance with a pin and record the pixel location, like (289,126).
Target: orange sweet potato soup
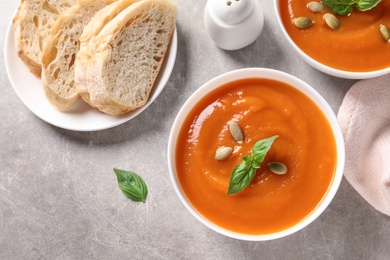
(356,46)
(262,108)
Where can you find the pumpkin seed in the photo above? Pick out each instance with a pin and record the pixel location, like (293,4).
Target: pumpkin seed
(315,7)
(303,22)
(236,132)
(223,152)
(331,21)
(385,32)
(277,168)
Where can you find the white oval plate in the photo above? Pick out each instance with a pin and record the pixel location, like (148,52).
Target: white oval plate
(82,117)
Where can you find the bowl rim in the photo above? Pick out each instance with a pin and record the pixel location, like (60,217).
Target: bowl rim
(322,67)
(267,74)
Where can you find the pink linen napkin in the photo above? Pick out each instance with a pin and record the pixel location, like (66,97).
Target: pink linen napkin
(364,117)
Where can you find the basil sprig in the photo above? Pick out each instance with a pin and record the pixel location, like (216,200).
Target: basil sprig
(244,173)
(345,7)
(132,185)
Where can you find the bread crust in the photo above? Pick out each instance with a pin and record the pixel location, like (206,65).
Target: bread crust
(32,27)
(126,56)
(60,51)
(91,30)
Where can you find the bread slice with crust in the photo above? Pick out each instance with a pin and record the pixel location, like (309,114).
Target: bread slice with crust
(91,30)
(60,51)
(126,56)
(32,27)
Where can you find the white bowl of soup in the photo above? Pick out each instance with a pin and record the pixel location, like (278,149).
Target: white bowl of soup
(263,103)
(356,50)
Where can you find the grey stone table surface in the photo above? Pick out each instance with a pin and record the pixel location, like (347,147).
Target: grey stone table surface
(59,197)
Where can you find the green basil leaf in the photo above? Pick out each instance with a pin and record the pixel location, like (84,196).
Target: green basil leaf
(365,5)
(340,7)
(242,175)
(345,7)
(261,148)
(343,11)
(132,185)
(241,169)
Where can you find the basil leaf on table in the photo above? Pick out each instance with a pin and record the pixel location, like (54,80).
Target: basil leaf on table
(345,7)
(132,185)
(244,173)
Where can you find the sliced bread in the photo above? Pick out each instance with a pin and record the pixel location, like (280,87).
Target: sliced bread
(126,56)
(60,51)
(91,30)
(32,27)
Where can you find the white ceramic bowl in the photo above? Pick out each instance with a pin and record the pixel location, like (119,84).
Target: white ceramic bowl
(268,74)
(321,67)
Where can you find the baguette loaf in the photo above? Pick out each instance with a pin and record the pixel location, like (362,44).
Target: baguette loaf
(32,27)
(126,56)
(91,30)
(60,52)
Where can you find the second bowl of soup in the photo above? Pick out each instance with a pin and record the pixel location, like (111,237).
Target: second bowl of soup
(351,47)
